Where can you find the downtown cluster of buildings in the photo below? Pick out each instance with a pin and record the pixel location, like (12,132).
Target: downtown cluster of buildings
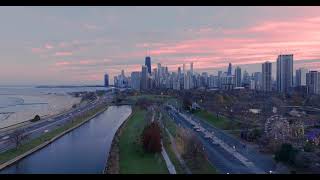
(185,79)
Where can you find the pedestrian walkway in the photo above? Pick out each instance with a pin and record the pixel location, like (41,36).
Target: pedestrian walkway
(169,164)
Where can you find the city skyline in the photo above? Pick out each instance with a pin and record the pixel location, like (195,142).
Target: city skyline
(78,45)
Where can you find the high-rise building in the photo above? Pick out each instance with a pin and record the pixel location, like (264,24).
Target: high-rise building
(238,76)
(184,69)
(106,80)
(301,77)
(191,67)
(246,81)
(284,73)
(148,64)
(230,69)
(313,82)
(219,78)
(135,80)
(122,73)
(144,78)
(266,76)
(257,77)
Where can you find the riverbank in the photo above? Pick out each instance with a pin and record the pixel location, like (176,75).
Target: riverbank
(112,164)
(126,154)
(12,156)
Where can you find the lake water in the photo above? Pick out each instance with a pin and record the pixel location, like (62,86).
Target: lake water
(83,150)
(18,104)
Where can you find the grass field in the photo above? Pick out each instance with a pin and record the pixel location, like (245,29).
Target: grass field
(133,160)
(221,122)
(11,154)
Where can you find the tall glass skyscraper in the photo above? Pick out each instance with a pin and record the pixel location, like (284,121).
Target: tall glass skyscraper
(266,76)
(284,73)
(106,80)
(148,64)
(229,69)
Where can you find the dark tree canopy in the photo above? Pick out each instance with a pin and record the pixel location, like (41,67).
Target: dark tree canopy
(151,138)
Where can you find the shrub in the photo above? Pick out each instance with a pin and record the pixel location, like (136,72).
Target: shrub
(286,154)
(151,138)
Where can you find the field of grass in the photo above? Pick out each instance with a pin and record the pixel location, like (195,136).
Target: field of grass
(169,123)
(133,160)
(11,154)
(220,122)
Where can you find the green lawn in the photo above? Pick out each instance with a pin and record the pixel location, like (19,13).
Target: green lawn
(169,123)
(220,122)
(11,154)
(133,160)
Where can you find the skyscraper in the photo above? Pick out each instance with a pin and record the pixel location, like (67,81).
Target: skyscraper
(284,73)
(148,64)
(191,67)
(144,78)
(229,70)
(184,68)
(257,77)
(313,82)
(106,80)
(135,80)
(238,76)
(301,76)
(266,76)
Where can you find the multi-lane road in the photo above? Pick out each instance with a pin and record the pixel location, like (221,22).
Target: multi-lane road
(41,127)
(226,153)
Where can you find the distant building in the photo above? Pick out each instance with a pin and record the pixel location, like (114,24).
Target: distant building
(246,80)
(238,76)
(191,67)
(148,64)
(144,78)
(229,69)
(106,80)
(285,73)
(135,80)
(257,77)
(227,82)
(267,76)
(301,77)
(313,82)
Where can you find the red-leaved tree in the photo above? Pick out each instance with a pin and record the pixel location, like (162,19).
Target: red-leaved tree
(151,138)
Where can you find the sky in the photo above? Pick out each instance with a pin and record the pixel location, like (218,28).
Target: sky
(78,45)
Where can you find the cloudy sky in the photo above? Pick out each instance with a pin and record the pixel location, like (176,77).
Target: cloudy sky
(77,45)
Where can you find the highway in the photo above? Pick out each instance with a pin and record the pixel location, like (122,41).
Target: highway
(226,153)
(43,126)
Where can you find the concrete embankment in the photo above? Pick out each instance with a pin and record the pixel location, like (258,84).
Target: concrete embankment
(112,164)
(18,158)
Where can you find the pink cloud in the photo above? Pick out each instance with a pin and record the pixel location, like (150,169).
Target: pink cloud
(48,46)
(63,53)
(62,63)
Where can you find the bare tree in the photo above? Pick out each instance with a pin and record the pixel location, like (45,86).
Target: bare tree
(18,137)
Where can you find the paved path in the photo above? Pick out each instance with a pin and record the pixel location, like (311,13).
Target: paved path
(169,164)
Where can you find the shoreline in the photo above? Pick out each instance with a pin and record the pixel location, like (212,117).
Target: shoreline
(44,144)
(112,163)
